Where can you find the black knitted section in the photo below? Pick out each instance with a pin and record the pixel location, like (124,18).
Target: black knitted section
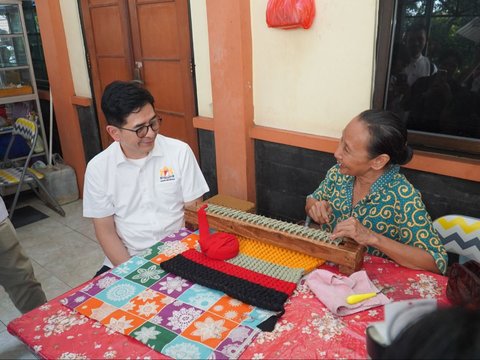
(240,289)
(269,324)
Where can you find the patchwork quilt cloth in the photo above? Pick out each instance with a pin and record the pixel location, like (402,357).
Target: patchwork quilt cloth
(171,315)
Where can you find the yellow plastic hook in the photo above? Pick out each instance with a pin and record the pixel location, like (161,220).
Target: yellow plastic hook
(356,298)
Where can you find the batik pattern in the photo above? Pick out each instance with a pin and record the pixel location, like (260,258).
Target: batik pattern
(393,208)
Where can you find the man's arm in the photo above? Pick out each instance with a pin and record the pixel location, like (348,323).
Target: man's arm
(108,238)
(193,202)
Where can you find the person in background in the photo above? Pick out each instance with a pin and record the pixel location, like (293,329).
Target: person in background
(440,104)
(398,87)
(419,65)
(448,333)
(137,188)
(430,95)
(16,270)
(364,197)
(475,81)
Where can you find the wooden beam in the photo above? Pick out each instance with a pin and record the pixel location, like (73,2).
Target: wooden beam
(81,101)
(61,85)
(230,44)
(203,123)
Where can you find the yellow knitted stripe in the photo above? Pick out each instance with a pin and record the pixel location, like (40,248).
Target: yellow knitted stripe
(278,255)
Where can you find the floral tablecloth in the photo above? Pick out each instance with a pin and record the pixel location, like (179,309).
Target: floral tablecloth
(307,329)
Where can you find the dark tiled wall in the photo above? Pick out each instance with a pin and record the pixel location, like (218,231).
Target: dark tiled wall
(444,195)
(286,174)
(92,144)
(206,141)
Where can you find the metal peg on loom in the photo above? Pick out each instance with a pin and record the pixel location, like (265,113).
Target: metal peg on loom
(308,221)
(325,236)
(274,224)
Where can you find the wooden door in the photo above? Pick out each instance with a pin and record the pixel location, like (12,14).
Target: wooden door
(147,41)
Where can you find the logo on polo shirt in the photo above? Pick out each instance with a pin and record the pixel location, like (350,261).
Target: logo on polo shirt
(166,174)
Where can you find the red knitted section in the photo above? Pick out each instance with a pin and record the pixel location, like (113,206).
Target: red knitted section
(240,272)
(204,230)
(219,245)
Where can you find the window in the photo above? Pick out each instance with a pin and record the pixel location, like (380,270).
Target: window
(432,76)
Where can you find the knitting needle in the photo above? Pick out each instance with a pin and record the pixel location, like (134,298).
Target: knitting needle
(308,220)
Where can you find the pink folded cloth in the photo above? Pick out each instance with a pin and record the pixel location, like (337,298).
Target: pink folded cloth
(332,290)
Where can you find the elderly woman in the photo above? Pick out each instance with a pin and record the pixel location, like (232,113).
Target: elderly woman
(364,197)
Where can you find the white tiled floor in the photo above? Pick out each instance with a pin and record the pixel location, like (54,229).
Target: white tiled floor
(64,253)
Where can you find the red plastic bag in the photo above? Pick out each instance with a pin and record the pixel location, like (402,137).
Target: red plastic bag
(290,14)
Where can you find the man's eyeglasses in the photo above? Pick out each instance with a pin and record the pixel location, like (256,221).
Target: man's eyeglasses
(142,131)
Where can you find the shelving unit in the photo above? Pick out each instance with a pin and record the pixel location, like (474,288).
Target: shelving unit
(18,88)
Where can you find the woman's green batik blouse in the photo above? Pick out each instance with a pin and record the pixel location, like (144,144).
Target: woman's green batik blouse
(393,208)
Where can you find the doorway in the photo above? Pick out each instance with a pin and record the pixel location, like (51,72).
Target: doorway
(147,41)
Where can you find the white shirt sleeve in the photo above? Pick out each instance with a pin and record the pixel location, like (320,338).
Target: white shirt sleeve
(192,180)
(96,201)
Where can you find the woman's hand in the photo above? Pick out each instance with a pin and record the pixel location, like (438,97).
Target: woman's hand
(406,255)
(352,228)
(319,211)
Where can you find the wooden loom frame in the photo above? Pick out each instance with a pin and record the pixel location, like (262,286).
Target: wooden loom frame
(348,254)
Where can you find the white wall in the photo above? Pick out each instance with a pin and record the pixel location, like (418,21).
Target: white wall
(312,81)
(76,47)
(201,55)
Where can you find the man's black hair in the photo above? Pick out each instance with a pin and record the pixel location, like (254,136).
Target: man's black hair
(122,98)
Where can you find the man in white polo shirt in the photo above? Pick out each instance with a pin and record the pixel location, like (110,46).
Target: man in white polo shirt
(136,189)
